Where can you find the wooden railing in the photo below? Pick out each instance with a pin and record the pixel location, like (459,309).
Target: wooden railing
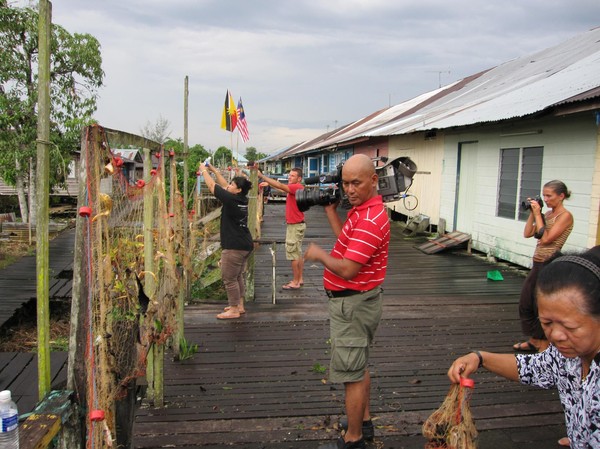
(46,421)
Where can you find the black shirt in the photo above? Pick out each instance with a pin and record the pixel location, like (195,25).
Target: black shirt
(234,221)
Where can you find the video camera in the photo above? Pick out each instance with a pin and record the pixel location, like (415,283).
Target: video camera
(395,177)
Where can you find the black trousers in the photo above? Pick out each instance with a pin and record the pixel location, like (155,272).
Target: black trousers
(528,312)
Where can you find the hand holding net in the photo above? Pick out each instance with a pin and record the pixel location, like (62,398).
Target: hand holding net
(451,426)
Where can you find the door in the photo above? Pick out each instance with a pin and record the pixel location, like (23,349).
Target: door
(313,167)
(466,211)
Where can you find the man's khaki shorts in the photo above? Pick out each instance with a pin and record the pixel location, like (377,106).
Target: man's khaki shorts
(353,321)
(294,234)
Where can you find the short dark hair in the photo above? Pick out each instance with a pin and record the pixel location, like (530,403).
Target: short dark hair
(243,184)
(298,171)
(560,274)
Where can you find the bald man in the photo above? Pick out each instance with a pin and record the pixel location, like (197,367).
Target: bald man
(354,272)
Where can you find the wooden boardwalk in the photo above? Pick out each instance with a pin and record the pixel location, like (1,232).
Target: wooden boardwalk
(18,370)
(18,281)
(256,382)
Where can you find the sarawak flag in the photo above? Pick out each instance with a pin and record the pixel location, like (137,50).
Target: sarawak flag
(242,125)
(229,116)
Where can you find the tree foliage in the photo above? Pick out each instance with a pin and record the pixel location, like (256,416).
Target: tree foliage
(75,77)
(158,131)
(222,157)
(252,155)
(196,155)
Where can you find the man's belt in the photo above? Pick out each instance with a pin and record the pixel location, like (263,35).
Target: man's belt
(342,293)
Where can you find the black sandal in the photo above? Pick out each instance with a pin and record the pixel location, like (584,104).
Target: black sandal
(525,346)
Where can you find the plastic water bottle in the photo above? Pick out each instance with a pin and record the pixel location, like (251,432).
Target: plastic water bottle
(9,427)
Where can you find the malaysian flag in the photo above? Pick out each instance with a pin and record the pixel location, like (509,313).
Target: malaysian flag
(242,125)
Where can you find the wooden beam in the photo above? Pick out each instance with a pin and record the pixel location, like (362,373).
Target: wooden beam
(38,431)
(43,197)
(121,138)
(45,422)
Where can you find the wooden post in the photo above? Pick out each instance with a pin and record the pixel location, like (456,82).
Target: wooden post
(274,273)
(42,197)
(158,361)
(184,294)
(185,152)
(252,225)
(149,283)
(73,433)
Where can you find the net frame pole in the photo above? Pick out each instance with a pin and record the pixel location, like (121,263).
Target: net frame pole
(152,377)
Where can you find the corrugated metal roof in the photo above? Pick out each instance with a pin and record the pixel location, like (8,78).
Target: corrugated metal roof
(516,88)
(132,155)
(589,95)
(568,72)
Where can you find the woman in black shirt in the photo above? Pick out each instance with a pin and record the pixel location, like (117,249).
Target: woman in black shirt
(236,240)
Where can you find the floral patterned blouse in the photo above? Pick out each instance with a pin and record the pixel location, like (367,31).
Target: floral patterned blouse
(580,398)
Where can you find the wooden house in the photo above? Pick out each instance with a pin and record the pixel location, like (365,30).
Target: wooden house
(485,143)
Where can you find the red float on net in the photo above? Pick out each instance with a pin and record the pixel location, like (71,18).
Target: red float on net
(97,415)
(85,211)
(466,382)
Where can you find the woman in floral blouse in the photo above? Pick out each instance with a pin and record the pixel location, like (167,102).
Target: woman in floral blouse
(568,296)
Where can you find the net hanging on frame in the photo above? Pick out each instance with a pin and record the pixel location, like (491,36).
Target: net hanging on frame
(130,303)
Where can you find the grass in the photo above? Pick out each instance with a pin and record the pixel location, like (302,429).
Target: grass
(318,368)
(11,251)
(186,349)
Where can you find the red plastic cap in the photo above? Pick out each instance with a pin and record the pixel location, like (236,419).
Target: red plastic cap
(153,172)
(85,211)
(140,183)
(97,415)
(171,153)
(465,382)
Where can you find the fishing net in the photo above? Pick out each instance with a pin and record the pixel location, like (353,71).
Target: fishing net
(451,426)
(133,261)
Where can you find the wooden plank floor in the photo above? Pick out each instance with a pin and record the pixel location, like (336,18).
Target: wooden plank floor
(18,281)
(253,383)
(18,371)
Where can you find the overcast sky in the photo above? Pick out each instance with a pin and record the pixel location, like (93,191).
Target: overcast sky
(301,66)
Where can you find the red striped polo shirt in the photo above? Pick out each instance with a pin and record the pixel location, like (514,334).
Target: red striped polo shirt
(364,238)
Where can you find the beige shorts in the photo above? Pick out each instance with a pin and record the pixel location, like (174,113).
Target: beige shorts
(294,234)
(353,321)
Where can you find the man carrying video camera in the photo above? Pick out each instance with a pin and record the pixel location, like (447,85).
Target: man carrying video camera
(353,274)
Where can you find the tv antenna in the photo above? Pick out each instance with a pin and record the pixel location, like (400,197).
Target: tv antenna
(439,72)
